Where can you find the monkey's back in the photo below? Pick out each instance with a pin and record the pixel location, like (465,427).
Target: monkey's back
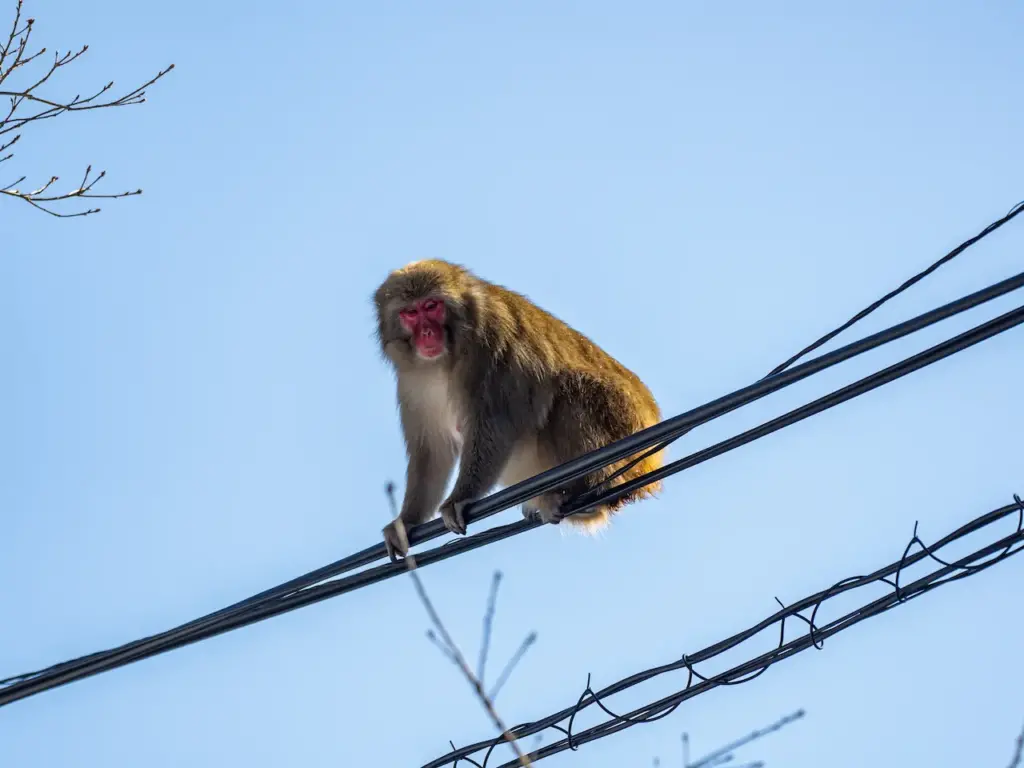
(548,344)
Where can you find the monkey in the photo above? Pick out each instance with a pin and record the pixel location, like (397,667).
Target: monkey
(487,378)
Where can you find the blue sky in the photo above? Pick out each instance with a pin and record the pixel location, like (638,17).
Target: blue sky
(195,411)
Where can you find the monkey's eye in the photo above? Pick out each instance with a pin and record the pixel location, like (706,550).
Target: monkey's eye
(407,313)
(429,305)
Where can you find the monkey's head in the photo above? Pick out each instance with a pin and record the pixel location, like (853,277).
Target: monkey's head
(421,310)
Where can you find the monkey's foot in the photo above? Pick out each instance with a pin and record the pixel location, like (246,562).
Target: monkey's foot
(453,517)
(547,507)
(395,540)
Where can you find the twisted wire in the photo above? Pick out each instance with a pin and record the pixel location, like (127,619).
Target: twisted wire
(943,573)
(315,585)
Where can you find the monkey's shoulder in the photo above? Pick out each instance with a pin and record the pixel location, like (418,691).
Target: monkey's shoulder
(510,314)
(513,326)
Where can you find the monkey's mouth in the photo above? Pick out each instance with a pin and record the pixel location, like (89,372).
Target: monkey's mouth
(429,342)
(429,349)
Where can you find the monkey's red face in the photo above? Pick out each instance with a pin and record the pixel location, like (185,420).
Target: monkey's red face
(425,321)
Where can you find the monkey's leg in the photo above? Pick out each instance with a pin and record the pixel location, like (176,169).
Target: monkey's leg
(488,442)
(588,413)
(528,460)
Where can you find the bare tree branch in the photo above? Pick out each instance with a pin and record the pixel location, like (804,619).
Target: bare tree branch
(485,645)
(27,105)
(726,754)
(448,646)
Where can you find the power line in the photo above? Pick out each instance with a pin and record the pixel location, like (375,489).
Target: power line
(200,630)
(931,355)
(1018,208)
(943,572)
(1014,211)
(304,590)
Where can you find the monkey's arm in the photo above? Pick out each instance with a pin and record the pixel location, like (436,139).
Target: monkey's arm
(430,466)
(431,459)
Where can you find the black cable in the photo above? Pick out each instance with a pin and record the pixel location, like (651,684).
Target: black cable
(97,663)
(552,479)
(696,683)
(933,354)
(1018,208)
(689,420)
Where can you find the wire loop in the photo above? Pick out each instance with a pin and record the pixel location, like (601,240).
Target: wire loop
(943,572)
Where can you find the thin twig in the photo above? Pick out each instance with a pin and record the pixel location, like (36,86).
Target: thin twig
(1015,762)
(485,643)
(503,677)
(444,649)
(725,752)
(457,656)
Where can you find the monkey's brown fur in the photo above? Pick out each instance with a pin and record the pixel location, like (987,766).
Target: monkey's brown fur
(520,389)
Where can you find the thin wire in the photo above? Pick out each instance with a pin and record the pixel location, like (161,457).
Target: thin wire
(1013,212)
(111,660)
(969,565)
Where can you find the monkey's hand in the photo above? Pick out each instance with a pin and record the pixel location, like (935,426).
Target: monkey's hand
(453,517)
(395,540)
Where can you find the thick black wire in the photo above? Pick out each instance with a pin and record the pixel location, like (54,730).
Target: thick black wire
(498,501)
(541,483)
(933,354)
(177,639)
(699,415)
(888,575)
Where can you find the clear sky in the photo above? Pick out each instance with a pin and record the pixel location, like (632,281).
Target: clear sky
(193,408)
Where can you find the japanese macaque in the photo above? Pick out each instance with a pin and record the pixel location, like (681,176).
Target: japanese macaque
(488,378)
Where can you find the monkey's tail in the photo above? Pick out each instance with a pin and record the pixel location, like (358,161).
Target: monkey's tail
(591,521)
